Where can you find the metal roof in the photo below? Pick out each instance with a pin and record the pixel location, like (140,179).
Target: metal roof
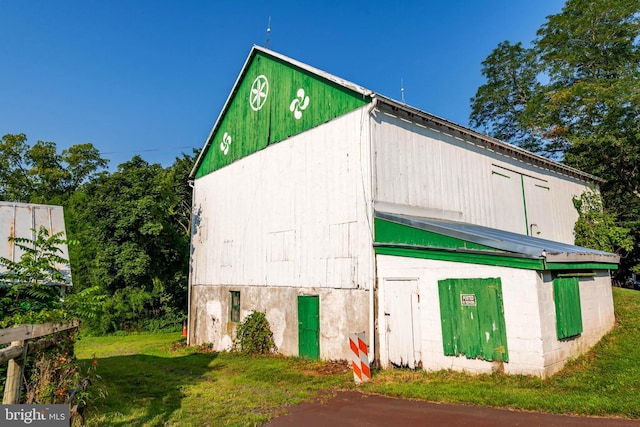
(528,246)
(484,140)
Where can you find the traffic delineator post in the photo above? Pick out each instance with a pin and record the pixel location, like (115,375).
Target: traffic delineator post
(360,357)
(184,328)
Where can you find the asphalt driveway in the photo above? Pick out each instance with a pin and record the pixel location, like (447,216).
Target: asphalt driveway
(356,409)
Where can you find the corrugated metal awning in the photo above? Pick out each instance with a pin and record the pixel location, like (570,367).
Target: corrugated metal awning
(528,246)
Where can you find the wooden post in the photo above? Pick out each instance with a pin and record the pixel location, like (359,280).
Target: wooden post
(15,370)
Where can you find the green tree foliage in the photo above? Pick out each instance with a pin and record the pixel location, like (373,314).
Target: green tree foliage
(574,96)
(500,106)
(596,228)
(39,174)
(32,292)
(132,226)
(135,225)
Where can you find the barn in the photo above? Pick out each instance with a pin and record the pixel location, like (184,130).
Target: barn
(334,209)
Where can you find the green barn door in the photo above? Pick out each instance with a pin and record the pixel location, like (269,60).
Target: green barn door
(309,326)
(472,316)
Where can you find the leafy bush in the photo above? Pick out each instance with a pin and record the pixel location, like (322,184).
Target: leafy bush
(33,284)
(254,335)
(596,227)
(32,292)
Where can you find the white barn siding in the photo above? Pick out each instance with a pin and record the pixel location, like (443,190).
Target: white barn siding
(295,214)
(451,178)
(293,219)
(23,220)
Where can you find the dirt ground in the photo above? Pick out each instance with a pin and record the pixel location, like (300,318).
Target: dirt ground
(356,409)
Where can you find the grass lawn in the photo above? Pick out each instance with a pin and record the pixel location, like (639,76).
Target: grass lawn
(152,380)
(605,381)
(149,380)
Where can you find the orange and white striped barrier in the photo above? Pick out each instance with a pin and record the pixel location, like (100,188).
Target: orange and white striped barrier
(360,357)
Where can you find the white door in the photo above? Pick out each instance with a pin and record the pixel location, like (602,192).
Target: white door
(537,195)
(402,322)
(508,207)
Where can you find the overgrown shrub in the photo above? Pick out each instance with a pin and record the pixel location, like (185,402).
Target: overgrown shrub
(254,335)
(51,372)
(31,293)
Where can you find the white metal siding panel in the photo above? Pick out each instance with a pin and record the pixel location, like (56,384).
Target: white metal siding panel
(24,220)
(540,215)
(294,214)
(506,188)
(423,167)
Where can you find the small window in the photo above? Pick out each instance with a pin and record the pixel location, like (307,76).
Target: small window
(566,295)
(235,306)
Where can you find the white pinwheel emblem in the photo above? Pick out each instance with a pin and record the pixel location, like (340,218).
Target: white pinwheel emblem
(299,104)
(259,92)
(226,141)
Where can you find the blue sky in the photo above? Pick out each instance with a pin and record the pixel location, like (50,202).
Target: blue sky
(150,77)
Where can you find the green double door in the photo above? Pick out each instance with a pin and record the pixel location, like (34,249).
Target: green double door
(309,326)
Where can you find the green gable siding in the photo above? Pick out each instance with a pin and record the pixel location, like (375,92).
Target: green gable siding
(273,101)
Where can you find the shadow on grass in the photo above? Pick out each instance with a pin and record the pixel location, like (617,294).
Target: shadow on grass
(145,390)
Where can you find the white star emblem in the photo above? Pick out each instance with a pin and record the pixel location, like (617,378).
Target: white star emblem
(226,141)
(299,104)
(259,92)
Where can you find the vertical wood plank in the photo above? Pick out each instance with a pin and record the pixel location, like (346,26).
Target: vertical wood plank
(14,374)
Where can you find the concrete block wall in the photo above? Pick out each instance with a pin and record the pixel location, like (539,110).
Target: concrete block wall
(596,301)
(341,312)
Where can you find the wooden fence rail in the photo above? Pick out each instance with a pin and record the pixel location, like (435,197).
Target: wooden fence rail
(16,353)
(27,332)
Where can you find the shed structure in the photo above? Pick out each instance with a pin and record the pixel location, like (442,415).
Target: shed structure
(23,220)
(334,209)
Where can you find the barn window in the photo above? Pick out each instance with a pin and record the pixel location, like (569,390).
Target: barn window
(566,295)
(235,306)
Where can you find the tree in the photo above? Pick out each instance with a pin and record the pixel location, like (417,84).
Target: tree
(134,225)
(13,171)
(39,174)
(500,106)
(596,228)
(578,99)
